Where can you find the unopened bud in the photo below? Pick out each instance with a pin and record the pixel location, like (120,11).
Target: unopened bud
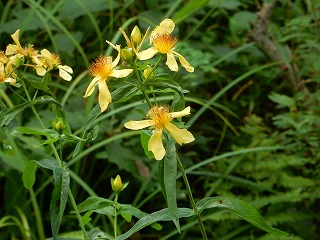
(116,184)
(126,54)
(59,125)
(136,35)
(148,73)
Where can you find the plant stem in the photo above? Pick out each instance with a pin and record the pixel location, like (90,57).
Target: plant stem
(54,150)
(115,216)
(195,209)
(74,205)
(37,214)
(142,86)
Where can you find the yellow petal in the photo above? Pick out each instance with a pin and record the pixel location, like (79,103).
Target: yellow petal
(118,48)
(171,62)
(15,38)
(182,113)
(40,71)
(90,88)
(180,135)
(11,49)
(120,73)
(137,125)
(147,54)
(166,26)
(155,145)
(184,62)
(104,95)
(64,74)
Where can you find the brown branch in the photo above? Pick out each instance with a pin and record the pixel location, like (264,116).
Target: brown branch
(259,34)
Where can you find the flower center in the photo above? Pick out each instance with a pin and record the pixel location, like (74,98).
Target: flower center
(101,67)
(164,42)
(160,116)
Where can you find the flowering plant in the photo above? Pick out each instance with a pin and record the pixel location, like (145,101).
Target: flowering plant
(139,72)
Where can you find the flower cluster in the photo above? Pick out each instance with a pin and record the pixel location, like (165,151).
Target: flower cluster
(42,62)
(104,68)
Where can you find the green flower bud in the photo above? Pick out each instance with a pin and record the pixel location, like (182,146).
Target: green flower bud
(116,184)
(59,125)
(126,54)
(136,35)
(148,73)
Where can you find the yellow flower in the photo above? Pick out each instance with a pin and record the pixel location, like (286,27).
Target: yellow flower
(4,77)
(47,61)
(17,49)
(102,70)
(160,118)
(164,42)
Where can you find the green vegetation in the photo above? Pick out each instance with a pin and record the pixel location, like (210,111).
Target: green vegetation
(249,165)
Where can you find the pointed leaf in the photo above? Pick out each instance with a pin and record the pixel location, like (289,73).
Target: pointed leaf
(240,208)
(145,137)
(28,175)
(170,179)
(123,93)
(94,203)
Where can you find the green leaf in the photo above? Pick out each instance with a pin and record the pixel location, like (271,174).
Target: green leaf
(45,100)
(170,178)
(165,83)
(94,203)
(162,215)
(123,93)
(86,217)
(36,131)
(28,175)
(241,209)
(188,9)
(8,114)
(145,137)
(59,197)
(282,100)
(93,115)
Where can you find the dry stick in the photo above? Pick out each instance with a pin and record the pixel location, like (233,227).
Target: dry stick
(259,35)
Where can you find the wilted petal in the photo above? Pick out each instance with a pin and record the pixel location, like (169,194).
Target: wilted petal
(155,145)
(64,72)
(171,62)
(184,62)
(137,125)
(104,95)
(147,54)
(182,113)
(120,73)
(90,88)
(180,135)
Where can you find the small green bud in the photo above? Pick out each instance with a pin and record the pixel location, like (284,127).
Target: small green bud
(126,54)
(59,125)
(148,73)
(116,184)
(136,35)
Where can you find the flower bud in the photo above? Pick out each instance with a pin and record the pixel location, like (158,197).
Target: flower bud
(148,73)
(116,184)
(136,35)
(59,125)
(126,54)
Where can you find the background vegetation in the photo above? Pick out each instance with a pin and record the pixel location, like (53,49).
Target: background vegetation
(255,113)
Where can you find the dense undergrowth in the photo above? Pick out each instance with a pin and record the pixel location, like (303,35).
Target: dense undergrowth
(255,115)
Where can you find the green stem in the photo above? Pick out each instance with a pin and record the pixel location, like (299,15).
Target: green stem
(37,215)
(194,206)
(74,205)
(142,86)
(54,150)
(115,216)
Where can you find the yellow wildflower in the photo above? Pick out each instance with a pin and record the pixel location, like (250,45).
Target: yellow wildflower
(164,42)
(47,61)
(102,70)
(4,77)
(160,118)
(17,49)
